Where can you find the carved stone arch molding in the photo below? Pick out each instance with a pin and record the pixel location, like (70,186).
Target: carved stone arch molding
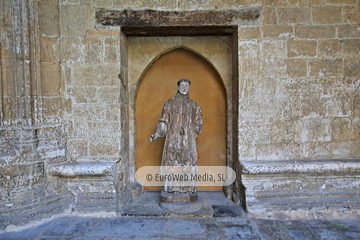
(148,34)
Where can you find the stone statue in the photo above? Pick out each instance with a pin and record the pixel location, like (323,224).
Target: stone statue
(180,123)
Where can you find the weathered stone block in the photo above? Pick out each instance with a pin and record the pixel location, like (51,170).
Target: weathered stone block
(249,49)
(294,15)
(296,67)
(105,146)
(329,48)
(108,95)
(22,180)
(339,107)
(340,2)
(338,149)
(301,48)
(278,31)
(76,169)
(356,107)
(325,67)
(281,132)
(50,79)
(254,132)
(315,31)
(258,88)
(104,130)
(326,15)
(268,15)
(249,32)
(312,130)
(247,152)
(49,17)
(341,128)
(304,3)
(101,33)
(308,108)
(236,3)
(277,3)
(93,50)
(112,112)
(337,87)
(266,108)
(85,94)
(49,49)
(95,75)
(273,49)
(112,50)
(77,148)
(273,67)
(77,19)
(71,50)
(351,67)
(90,112)
(196,4)
(101,3)
(351,18)
(348,31)
(51,107)
(127,3)
(350,47)
(281,151)
(163,4)
(78,128)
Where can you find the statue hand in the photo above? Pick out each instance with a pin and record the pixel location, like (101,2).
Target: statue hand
(152,137)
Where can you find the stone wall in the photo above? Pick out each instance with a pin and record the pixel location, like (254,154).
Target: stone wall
(299,82)
(62,100)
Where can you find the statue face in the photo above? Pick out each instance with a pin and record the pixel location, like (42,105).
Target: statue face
(183,88)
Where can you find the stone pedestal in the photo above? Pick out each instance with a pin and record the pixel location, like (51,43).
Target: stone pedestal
(180,202)
(183,208)
(166,197)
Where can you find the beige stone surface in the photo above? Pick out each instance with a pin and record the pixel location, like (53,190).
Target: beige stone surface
(348,31)
(293,15)
(315,31)
(71,50)
(50,74)
(327,15)
(77,19)
(326,67)
(49,17)
(296,67)
(49,49)
(340,2)
(301,48)
(311,130)
(249,32)
(95,75)
(269,15)
(104,146)
(278,31)
(351,67)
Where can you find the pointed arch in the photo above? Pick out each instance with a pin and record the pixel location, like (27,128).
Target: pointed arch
(158,84)
(153,60)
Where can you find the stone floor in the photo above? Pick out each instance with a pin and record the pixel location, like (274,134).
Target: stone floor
(188,228)
(142,219)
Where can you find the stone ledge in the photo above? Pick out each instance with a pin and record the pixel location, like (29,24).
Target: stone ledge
(76,169)
(146,18)
(301,166)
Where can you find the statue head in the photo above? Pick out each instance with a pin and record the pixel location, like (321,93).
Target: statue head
(183,86)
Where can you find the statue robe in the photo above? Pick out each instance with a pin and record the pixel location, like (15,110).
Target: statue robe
(180,123)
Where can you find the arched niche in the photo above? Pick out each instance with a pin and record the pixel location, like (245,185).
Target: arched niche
(158,84)
(142,52)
